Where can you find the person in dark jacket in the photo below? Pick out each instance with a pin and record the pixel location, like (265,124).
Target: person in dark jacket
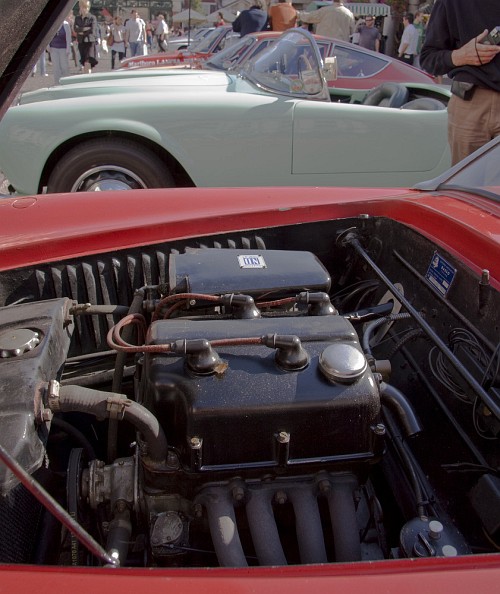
(456,43)
(251,20)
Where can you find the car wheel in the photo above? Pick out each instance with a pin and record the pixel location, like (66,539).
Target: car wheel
(109,164)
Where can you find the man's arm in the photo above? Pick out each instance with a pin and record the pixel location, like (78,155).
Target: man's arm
(405,42)
(475,53)
(237,24)
(313,17)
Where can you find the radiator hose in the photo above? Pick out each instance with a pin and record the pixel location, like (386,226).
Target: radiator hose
(105,405)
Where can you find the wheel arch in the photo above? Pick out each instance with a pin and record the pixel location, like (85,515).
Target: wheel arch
(181,177)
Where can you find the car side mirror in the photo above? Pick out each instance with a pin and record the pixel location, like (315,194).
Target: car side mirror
(330,68)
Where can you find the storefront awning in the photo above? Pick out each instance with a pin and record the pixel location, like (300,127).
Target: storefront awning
(364,9)
(357,8)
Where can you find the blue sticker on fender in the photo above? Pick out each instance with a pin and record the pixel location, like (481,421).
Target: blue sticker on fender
(440,274)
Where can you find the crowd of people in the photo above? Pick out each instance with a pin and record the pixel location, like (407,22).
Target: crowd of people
(82,39)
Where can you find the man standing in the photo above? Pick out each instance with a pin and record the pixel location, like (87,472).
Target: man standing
(331,21)
(418,23)
(409,41)
(161,33)
(86,34)
(282,16)
(369,35)
(251,20)
(60,49)
(136,34)
(456,44)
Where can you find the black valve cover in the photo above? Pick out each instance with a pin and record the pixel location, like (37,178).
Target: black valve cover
(239,412)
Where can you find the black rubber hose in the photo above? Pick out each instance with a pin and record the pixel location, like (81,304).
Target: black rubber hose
(94,402)
(399,404)
(76,434)
(119,372)
(372,326)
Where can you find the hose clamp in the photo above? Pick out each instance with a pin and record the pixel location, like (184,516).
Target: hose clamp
(53,398)
(115,406)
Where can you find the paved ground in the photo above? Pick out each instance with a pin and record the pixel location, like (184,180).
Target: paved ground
(38,82)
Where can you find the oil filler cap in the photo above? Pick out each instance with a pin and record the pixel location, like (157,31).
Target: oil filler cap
(343,363)
(17,341)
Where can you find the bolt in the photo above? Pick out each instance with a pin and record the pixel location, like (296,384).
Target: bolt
(485,277)
(47,415)
(379,429)
(238,493)
(121,506)
(195,443)
(324,486)
(283,437)
(172,459)
(280,497)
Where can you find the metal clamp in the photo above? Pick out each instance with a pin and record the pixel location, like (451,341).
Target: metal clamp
(116,406)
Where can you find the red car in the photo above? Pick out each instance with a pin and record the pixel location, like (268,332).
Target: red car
(197,53)
(244,390)
(358,68)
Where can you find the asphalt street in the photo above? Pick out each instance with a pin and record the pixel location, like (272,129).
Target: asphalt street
(37,81)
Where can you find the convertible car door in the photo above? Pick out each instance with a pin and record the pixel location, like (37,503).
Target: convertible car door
(349,144)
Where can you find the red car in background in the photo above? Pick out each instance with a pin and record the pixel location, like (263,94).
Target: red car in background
(358,68)
(198,51)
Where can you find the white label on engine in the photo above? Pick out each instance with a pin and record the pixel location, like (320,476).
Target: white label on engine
(251,261)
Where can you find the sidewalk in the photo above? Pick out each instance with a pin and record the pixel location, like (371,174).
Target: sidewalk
(37,81)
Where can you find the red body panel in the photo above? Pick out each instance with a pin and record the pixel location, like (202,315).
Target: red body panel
(470,229)
(466,225)
(463,575)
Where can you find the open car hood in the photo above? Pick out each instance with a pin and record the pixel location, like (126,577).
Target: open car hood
(25,28)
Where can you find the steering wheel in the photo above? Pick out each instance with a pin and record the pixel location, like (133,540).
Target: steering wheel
(387,95)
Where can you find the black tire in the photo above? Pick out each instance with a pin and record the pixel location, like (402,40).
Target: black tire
(109,164)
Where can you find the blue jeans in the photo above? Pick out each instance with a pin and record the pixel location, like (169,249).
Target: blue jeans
(136,48)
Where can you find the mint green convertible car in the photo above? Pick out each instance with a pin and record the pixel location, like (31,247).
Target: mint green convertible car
(275,123)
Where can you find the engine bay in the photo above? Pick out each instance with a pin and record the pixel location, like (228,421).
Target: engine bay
(317,393)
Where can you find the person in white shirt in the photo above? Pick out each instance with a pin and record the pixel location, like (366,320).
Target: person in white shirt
(409,41)
(161,33)
(136,34)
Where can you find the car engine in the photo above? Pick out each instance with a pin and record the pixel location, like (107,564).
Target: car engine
(254,404)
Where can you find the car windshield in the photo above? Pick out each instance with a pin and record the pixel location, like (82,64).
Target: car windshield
(352,62)
(478,174)
(290,66)
(232,55)
(204,45)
